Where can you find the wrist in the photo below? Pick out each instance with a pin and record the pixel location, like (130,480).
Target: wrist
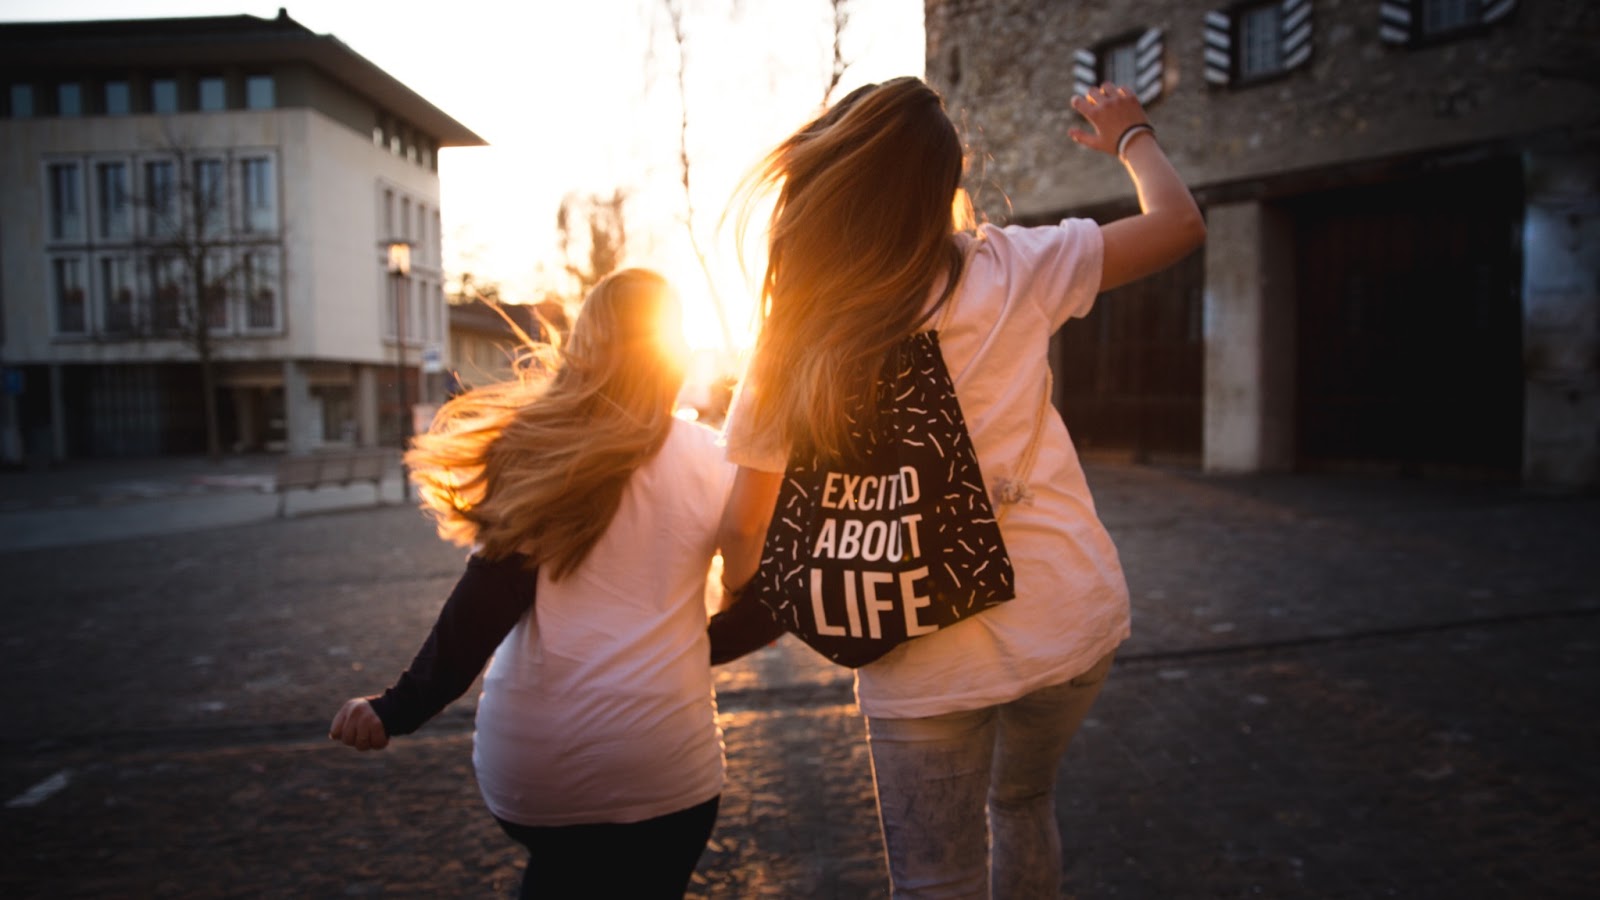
(1131,134)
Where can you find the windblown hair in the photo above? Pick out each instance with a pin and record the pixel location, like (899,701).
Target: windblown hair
(538,465)
(868,202)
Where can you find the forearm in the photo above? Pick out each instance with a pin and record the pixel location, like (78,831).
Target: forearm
(487,602)
(1161,190)
(743,628)
(743,529)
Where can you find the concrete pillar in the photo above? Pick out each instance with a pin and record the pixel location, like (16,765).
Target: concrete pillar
(1561,318)
(247,411)
(1249,339)
(10,428)
(297,409)
(58,416)
(366,403)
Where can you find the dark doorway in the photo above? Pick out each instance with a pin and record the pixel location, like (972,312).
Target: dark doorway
(1130,376)
(1409,346)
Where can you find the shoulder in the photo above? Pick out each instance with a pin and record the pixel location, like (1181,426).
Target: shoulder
(1013,244)
(693,438)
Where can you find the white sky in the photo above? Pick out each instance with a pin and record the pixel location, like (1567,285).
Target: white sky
(580,95)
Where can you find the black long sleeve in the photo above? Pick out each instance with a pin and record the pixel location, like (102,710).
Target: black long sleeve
(745,627)
(486,604)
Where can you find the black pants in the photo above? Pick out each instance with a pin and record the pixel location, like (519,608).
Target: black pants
(645,860)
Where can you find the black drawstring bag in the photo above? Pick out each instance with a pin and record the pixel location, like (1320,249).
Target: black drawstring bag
(895,541)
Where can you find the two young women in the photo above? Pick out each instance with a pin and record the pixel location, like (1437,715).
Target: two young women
(966,725)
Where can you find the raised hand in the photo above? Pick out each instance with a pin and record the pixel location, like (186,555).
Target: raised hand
(1111,110)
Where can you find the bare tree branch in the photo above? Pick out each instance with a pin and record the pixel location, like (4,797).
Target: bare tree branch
(841,18)
(675,15)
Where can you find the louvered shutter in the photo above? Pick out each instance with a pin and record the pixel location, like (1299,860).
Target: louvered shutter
(1396,17)
(1085,71)
(1495,10)
(1294,36)
(1219,47)
(1149,66)
(1394,21)
(1151,51)
(1296,33)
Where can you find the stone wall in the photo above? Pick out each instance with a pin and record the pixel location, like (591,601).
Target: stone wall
(1005,67)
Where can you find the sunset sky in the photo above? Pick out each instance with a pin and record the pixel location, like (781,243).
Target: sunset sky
(582,96)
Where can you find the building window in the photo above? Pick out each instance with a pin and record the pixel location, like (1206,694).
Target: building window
(258,195)
(1119,64)
(22,101)
(166,293)
(161,198)
(214,279)
(1415,22)
(213,94)
(119,98)
(427,155)
(388,215)
(66,202)
(413,311)
(1260,44)
(113,211)
(395,144)
(377,135)
(69,99)
(1256,41)
(1133,61)
(259,277)
(66,286)
(164,95)
(116,294)
(209,194)
(1444,16)
(405,219)
(437,295)
(390,299)
(260,92)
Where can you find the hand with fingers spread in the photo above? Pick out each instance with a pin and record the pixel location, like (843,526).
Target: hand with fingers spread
(358,726)
(1117,118)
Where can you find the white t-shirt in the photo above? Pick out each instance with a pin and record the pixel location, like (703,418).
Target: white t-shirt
(1019,285)
(598,706)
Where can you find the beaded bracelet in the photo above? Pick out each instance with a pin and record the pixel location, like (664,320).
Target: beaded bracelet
(1131,132)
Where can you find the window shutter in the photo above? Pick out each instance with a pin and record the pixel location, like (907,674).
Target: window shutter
(1495,10)
(1150,50)
(1394,21)
(1296,33)
(1085,67)
(1219,47)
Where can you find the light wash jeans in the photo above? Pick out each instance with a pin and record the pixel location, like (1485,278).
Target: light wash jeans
(937,776)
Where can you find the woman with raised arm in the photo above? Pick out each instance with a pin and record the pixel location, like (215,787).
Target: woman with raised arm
(870,243)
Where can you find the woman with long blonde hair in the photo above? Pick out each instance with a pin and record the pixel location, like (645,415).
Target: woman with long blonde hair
(868,246)
(597,746)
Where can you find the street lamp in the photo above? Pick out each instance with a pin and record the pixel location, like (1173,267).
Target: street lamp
(399,270)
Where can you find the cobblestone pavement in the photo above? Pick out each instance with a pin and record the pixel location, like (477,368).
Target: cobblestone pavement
(1338,687)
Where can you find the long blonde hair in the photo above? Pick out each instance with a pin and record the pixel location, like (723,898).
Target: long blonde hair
(868,202)
(538,465)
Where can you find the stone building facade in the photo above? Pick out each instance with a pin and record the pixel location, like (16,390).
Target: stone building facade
(1403,198)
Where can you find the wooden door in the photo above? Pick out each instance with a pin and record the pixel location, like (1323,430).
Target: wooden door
(1409,344)
(1130,376)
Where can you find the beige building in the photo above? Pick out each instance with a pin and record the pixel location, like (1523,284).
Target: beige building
(1403,266)
(241,171)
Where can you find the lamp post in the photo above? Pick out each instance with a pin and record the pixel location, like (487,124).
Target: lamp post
(399,270)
